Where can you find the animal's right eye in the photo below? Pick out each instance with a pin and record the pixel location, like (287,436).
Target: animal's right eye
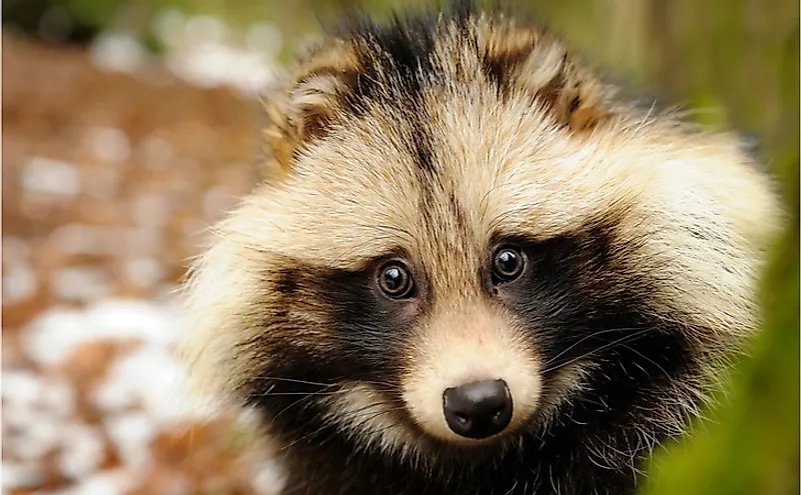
(395,280)
(507,265)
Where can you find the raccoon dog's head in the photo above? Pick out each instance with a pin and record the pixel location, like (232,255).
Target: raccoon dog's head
(465,240)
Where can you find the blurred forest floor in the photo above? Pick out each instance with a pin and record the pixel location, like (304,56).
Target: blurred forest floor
(109,180)
(113,166)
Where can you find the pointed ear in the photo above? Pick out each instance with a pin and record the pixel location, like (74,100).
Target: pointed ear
(309,102)
(573,94)
(537,64)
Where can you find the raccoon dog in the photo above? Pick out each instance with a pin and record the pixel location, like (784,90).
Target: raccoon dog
(470,268)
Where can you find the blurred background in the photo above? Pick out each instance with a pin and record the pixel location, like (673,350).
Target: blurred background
(130,126)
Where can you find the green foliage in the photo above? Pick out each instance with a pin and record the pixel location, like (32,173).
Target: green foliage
(751,65)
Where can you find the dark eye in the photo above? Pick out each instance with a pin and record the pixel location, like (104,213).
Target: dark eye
(395,280)
(507,264)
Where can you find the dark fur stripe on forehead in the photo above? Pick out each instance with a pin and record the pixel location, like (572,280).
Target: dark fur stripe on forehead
(403,47)
(392,70)
(395,59)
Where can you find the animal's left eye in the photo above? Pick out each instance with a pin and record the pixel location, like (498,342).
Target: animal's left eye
(507,264)
(395,281)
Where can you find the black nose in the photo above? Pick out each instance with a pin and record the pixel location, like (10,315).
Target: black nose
(479,409)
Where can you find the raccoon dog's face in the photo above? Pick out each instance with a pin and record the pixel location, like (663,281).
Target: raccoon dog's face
(466,241)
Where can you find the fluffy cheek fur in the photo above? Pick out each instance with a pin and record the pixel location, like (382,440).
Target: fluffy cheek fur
(367,417)
(464,347)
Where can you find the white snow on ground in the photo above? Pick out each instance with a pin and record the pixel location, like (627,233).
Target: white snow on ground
(77,283)
(49,176)
(19,474)
(118,51)
(143,393)
(49,339)
(110,144)
(83,451)
(200,50)
(19,283)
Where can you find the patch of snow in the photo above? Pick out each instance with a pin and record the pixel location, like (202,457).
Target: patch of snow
(21,387)
(132,433)
(111,145)
(49,339)
(144,272)
(202,56)
(79,283)
(30,433)
(19,283)
(18,475)
(151,376)
(117,52)
(205,66)
(83,452)
(48,176)
(155,323)
(58,397)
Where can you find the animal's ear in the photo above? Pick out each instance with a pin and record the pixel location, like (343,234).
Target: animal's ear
(309,102)
(573,94)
